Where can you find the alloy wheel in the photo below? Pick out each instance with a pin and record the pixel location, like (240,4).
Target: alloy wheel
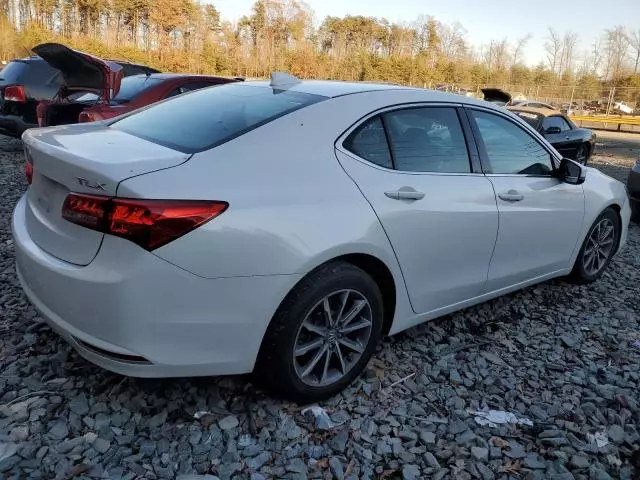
(581,156)
(599,247)
(332,338)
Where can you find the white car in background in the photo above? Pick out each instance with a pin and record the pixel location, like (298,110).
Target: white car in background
(284,228)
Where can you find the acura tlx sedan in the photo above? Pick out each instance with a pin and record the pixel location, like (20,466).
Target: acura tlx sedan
(283,228)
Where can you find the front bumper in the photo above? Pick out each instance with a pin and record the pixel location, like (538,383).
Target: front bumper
(14,126)
(135,314)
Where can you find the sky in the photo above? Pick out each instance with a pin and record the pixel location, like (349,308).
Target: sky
(484,20)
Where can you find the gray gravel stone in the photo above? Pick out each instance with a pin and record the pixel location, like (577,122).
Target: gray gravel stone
(229,422)
(410,472)
(480,453)
(430,460)
(616,433)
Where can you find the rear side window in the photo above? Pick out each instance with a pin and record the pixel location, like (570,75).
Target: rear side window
(206,118)
(427,140)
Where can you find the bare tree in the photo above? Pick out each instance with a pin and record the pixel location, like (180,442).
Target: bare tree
(569,41)
(634,42)
(553,47)
(596,56)
(520,45)
(616,49)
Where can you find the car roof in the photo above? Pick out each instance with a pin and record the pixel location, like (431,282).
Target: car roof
(333,88)
(544,112)
(167,76)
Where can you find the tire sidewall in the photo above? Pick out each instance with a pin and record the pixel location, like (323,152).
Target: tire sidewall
(293,314)
(579,270)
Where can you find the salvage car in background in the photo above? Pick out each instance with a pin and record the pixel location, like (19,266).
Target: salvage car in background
(26,82)
(133,92)
(570,140)
(633,188)
(284,227)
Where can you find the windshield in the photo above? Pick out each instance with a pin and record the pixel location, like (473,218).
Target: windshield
(206,118)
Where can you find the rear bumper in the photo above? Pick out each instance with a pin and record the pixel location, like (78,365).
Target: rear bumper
(14,126)
(138,315)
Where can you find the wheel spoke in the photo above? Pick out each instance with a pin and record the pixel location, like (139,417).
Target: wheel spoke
(345,297)
(343,367)
(325,369)
(352,327)
(590,259)
(308,347)
(312,364)
(350,344)
(608,230)
(312,327)
(355,310)
(327,311)
(606,241)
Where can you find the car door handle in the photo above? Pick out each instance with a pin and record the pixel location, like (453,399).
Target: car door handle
(511,196)
(405,193)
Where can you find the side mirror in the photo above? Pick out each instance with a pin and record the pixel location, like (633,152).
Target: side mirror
(571,172)
(553,130)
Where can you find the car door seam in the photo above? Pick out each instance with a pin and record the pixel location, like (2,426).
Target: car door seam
(404,281)
(495,242)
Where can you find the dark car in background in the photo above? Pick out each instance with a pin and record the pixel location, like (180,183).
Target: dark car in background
(134,92)
(568,139)
(25,82)
(633,189)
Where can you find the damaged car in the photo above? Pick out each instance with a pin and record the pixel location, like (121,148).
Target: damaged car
(26,82)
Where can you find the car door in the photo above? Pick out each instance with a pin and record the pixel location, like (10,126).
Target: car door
(540,217)
(415,168)
(558,132)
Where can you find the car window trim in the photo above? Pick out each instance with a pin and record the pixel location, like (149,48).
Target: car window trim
(528,129)
(339,143)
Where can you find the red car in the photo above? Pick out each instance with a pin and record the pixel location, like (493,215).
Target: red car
(94,89)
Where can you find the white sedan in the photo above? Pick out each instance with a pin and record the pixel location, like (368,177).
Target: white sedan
(283,228)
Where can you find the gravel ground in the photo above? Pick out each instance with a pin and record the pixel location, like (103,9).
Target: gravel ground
(557,354)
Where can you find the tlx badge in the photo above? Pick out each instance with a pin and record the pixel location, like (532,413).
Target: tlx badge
(89,184)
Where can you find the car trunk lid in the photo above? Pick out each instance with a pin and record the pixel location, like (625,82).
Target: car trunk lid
(89,158)
(82,71)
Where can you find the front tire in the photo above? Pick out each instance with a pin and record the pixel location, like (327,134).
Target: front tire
(582,155)
(322,335)
(598,248)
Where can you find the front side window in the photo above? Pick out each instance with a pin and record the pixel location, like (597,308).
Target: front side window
(205,118)
(557,122)
(511,150)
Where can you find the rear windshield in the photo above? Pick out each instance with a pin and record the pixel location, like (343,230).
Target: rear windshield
(132,86)
(206,118)
(26,71)
(12,71)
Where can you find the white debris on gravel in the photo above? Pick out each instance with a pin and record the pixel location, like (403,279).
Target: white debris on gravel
(556,353)
(493,418)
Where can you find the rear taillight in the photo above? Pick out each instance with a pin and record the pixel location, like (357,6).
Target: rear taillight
(85,117)
(148,223)
(15,93)
(28,171)
(28,166)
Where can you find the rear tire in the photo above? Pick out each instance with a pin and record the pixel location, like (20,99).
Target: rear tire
(344,288)
(598,248)
(635,211)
